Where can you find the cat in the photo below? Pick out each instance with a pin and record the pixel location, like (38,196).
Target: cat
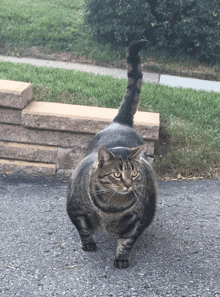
(114,187)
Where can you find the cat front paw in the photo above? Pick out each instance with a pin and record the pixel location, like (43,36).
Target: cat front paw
(89,247)
(121,263)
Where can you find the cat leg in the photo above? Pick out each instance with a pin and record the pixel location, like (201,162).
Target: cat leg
(125,245)
(84,229)
(123,252)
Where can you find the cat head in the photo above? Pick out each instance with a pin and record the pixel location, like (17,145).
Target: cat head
(120,168)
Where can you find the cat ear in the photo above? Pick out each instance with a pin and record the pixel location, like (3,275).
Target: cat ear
(138,151)
(104,155)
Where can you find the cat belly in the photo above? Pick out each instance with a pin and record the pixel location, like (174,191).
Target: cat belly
(116,223)
(109,227)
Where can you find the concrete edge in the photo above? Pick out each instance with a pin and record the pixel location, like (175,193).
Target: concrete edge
(26,168)
(190,83)
(83,119)
(169,80)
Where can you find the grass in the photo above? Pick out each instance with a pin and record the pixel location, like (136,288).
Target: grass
(55,29)
(189,142)
(53,24)
(56,25)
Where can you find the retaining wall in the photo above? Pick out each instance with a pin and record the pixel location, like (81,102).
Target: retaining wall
(49,138)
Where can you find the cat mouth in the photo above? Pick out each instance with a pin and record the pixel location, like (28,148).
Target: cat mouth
(126,191)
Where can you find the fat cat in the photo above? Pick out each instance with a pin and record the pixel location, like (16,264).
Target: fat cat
(114,187)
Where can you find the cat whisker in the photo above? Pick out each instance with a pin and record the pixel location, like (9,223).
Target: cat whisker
(103,191)
(143,186)
(109,198)
(136,194)
(94,193)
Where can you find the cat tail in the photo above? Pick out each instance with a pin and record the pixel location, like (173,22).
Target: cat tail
(130,102)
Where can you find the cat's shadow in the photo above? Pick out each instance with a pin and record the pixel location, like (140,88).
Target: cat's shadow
(106,248)
(152,246)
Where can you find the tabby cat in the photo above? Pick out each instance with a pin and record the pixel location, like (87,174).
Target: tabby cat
(114,188)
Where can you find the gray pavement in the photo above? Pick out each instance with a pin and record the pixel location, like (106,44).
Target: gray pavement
(192,83)
(173,81)
(40,251)
(41,255)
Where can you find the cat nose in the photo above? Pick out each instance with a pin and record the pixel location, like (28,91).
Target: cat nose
(128,184)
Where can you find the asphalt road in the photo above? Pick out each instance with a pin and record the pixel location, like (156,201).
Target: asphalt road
(41,255)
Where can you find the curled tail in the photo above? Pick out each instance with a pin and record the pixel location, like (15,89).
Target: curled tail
(130,102)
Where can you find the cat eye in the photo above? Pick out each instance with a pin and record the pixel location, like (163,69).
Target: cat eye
(117,174)
(134,174)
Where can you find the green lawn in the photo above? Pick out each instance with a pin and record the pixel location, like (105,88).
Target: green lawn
(56,25)
(189,141)
(49,23)
(28,28)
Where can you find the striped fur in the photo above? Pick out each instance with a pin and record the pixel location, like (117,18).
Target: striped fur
(114,188)
(130,102)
